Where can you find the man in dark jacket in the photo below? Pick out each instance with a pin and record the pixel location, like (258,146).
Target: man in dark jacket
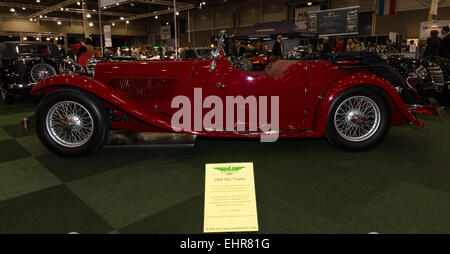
(444,50)
(433,44)
(278,48)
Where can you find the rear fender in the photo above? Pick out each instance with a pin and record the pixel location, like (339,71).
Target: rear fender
(400,113)
(105,93)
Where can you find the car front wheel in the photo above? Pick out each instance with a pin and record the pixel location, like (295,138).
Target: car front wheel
(358,120)
(71,123)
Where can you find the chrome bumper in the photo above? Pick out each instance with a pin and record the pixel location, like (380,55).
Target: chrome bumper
(20,86)
(426,110)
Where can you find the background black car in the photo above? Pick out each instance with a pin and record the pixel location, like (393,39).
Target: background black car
(24,64)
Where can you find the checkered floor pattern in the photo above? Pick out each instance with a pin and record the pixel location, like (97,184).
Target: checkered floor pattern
(302,186)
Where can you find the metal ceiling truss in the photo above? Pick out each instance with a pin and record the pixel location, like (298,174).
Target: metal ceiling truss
(180,6)
(17,5)
(31,34)
(53,8)
(107,13)
(153,14)
(167,3)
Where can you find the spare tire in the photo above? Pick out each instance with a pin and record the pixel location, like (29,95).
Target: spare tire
(41,71)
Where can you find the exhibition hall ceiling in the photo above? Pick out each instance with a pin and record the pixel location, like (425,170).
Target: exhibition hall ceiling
(67,9)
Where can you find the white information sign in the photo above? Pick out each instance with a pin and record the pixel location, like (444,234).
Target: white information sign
(301,16)
(165,33)
(426,27)
(107,33)
(230,200)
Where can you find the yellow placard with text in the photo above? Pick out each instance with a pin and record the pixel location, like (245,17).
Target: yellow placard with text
(230,200)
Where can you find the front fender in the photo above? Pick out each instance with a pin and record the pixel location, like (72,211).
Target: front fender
(338,86)
(105,93)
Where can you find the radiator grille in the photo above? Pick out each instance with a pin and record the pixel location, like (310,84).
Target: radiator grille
(436,75)
(155,88)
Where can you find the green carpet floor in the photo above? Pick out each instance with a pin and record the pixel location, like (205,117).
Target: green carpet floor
(302,186)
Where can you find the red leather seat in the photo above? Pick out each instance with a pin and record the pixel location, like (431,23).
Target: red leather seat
(278,68)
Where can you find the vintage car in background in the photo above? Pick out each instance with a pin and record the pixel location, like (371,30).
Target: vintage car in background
(24,64)
(195,53)
(342,100)
(260,61)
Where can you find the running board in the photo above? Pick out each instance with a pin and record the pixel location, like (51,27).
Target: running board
(149,139)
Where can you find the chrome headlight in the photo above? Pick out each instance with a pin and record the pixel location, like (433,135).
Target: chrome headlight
(90,66)
(69,66)
(420,73)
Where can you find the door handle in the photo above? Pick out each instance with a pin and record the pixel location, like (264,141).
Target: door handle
(220,85)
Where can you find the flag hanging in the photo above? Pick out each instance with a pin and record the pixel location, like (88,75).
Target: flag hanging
(386,7)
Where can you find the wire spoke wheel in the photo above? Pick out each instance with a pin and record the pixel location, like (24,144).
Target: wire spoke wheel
(357,118)
(42,71)
(69,124)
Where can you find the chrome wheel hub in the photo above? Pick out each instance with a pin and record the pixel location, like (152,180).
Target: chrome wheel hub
(69,124)
(357,118)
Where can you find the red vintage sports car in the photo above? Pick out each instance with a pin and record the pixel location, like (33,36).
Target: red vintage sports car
(347,104)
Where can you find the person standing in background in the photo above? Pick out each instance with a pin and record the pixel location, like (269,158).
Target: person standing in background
(339,46)
(370,47)
(359,46)
(326,46)
(89,47)
(350,46)
(390,48)
(404,46)
(278,48)
(444,50)
(433,44)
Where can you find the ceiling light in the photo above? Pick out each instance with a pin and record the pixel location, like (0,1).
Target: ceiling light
(48,38)
(88,15)
(38,1)
(37,38)
(62,9)
(122,18)
(40,16)
(12,10)
(91,24)
(113,24)
(78,3)
(23,8)
(128,22)
(25,38)
(31,19)
(156,17)
(178,13)
(93,10)
(59,22)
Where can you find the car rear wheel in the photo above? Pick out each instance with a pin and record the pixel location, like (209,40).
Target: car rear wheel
(359,119)
(71,123)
